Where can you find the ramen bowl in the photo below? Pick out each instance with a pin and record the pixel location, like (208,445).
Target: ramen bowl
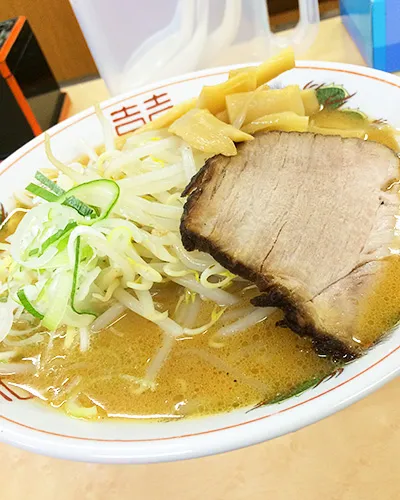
(27,423)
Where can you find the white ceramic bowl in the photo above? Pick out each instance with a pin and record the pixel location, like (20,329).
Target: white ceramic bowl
(28,424)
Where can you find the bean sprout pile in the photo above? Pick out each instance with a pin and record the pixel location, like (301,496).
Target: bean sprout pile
(98,238)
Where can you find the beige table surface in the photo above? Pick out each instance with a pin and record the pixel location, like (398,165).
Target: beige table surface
(353,455)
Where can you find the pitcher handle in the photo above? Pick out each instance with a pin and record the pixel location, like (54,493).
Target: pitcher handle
(305,31)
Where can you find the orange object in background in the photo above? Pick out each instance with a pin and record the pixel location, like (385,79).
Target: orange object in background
(30,98)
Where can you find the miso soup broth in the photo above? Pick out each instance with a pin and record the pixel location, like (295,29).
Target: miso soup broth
(199,375)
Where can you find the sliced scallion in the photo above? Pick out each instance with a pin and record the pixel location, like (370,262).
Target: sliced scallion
(58,235)
(62,244)
(75,279)
(27,305)
(54,238)
(98,196)
(49,183)
(79,206)
(58,305)
(41,192)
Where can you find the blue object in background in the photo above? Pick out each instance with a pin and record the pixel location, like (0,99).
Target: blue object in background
(374,26)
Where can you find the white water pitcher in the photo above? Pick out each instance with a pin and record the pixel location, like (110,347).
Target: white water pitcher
(135,42)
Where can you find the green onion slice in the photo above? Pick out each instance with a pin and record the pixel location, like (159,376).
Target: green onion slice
(27,304)
(52,186)
(99,196)
(41,192)
(79,206)
(58,305)
(75,279)
(54,238)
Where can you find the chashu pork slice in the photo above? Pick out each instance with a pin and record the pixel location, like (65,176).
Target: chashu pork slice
(308,218)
